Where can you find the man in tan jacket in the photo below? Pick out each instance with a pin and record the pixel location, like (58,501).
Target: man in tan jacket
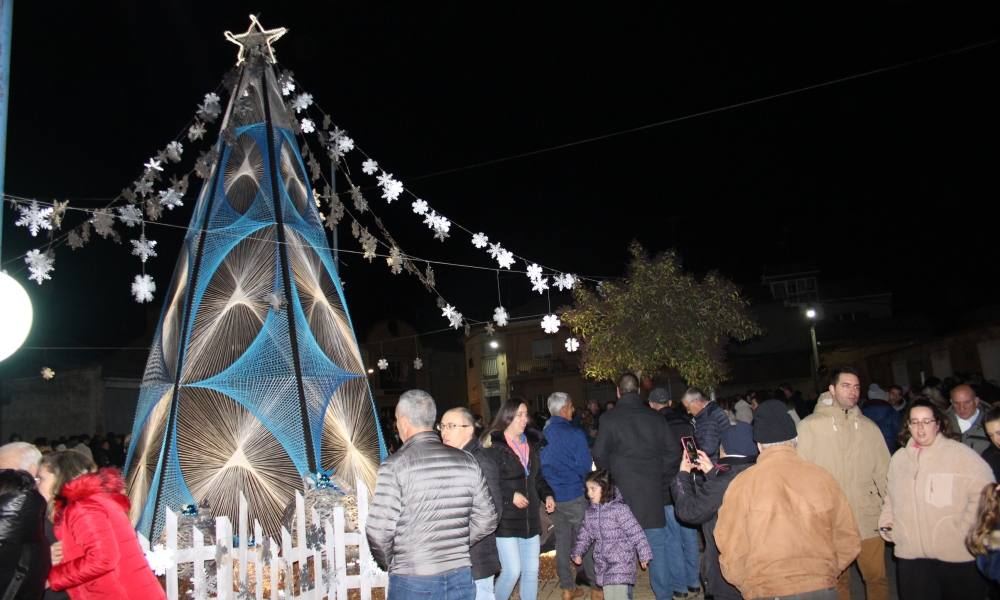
(785,528)
(850,447)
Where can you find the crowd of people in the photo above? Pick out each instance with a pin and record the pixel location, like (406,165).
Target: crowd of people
(766,495)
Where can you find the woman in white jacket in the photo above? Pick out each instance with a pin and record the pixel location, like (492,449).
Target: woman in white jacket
(934,488)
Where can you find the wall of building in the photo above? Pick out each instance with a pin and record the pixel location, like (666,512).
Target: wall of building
(70,404)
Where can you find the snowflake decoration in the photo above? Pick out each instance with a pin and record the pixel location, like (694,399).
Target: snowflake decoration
(505,258)
(174,151)
(369,167)
(196,131)
(143,287)
(572,344)
(551,323)
(47,373)
(500,316)
(564,281)
(170,198)
(419,206)
(360,204)
(302,102)
(540,285)
(534,272)
(456,320)
(429,282)
(480,240)
(153,165)
(144,187)
(391,188)
(143,248)
(336,213)
(490,329)
(39,265)
(58,212)
(130,215)
(383,364)
(418,364)
(495,250)
(287,87)
(447,311)
(345,145)
(103,222)
(369,244)
(35,218)
(161,558)
(74,240)
(308,126)
(395,261)
(210,109)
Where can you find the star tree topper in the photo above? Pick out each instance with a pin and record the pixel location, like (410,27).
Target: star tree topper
(256,38)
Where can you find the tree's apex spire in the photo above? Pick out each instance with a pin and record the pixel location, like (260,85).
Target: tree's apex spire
(256,41)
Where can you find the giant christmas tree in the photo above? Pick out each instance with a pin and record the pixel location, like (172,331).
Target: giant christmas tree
(254,379)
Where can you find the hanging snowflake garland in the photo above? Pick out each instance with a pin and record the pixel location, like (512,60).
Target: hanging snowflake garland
(490,330)
(551,323)
(564,281)
(104,222)
(35,218)
(505,259)
(58,212)
(391,188)
(302,102)
(130,215)
(170,198)
(500,316)
(395,260)
(74,240)
(39,265)
(540,285)
(572,344)
(153,165)
(418,364)
(143,288)
(196,131)
(360,204)
(383,364)
(480,240)
(210,109)
(307,126)
(534,272)
(454,317)
(419,206)
(174,151)
(143,248)
(369,167)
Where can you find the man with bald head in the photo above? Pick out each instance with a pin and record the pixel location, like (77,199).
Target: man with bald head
(966,416)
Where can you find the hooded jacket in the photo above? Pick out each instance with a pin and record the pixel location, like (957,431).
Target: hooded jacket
(934,499)
(519,522)
(785,528)
(22,517)
(431,504)
(617,538)
(849,446)
(101,553)
(697,501)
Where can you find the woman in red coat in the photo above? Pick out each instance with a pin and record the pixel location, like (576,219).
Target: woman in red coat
(101,556)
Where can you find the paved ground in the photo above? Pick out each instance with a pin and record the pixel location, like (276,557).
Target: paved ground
(549,589)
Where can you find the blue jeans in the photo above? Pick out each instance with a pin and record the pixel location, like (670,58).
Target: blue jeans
(518,559)
(659,566)
(682,548)
(456,584)
(484,588)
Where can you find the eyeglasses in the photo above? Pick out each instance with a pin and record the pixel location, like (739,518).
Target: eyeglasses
(925,422)
(449,426)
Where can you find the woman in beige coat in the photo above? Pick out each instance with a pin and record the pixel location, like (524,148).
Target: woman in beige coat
(933,500)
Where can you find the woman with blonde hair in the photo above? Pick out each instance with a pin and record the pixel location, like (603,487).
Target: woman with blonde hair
(100,553)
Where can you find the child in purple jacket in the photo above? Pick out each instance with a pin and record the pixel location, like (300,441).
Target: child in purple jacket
(611,525)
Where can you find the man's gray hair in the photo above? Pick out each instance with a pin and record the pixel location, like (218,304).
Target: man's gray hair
(557,400)
(792,442)
(467,415)
(418,407)
(19,455)
(695,394)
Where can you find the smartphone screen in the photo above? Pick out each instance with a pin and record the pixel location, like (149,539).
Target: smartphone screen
(690,447)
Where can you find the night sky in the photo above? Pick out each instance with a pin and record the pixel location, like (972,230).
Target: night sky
(891,176)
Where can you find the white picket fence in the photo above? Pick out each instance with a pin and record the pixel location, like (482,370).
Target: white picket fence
(325,577)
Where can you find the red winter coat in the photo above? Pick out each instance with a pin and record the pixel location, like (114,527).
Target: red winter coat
(101,554)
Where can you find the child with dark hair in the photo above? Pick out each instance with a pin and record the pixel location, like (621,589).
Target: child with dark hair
(617,534)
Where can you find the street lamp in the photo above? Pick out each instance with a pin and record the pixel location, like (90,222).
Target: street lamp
(494,344)
(811,315)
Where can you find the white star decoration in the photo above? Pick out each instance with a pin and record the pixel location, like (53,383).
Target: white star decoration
(261,38)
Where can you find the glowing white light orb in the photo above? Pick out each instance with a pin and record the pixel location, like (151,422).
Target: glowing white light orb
(15,315)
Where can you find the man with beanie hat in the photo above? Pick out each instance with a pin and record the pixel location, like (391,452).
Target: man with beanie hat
(697,500)
(785,529)
(851,448)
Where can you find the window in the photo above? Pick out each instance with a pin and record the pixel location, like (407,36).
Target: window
(541,348)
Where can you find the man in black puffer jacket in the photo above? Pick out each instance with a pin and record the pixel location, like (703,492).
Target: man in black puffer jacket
(697,501)
(431,505)
(708,418)
(24,551)
(458,430)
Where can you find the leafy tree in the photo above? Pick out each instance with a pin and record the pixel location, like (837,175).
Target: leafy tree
(659,317)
